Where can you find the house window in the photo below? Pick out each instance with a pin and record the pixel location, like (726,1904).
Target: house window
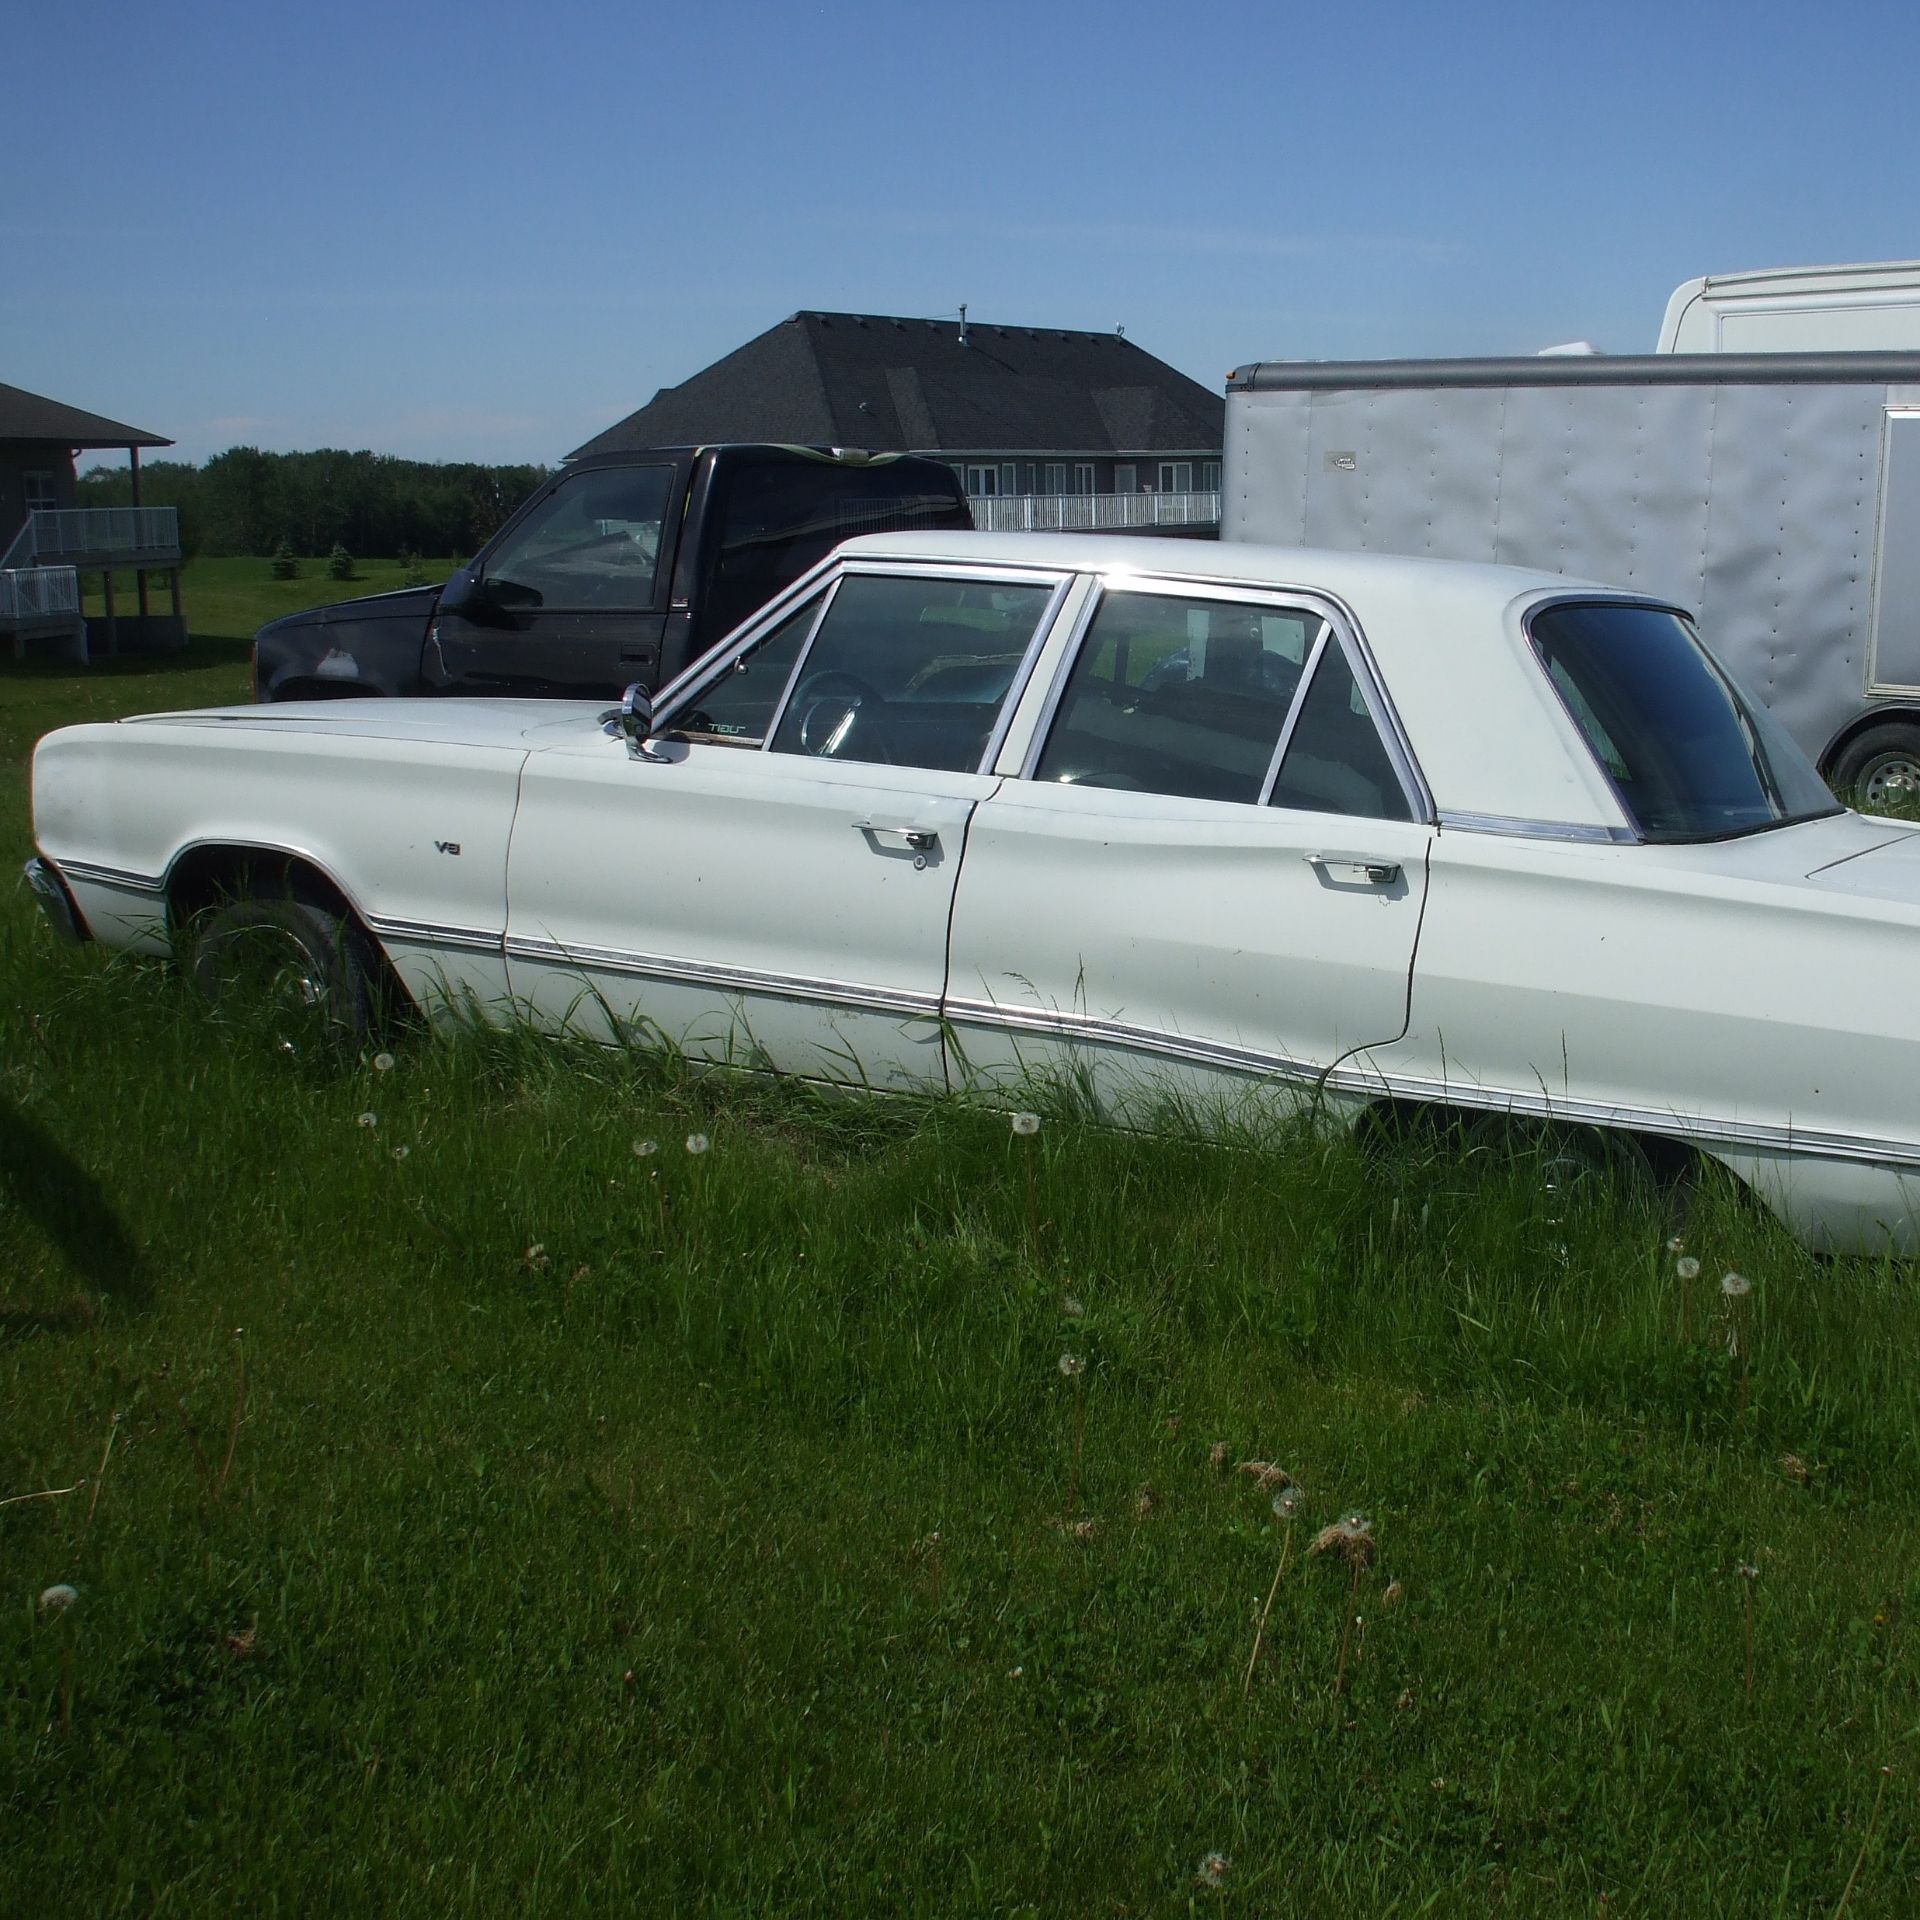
(1083,477)
(1009,477)
(1126,479)
(1176,476)
(41,497)
(983,482)
(1056,476)
(1210,477)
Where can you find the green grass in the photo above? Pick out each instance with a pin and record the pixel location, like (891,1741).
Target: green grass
(498,1519)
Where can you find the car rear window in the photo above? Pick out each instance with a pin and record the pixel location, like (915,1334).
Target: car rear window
(1691,757)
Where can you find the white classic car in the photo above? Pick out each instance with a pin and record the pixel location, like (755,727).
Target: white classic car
(1160,816)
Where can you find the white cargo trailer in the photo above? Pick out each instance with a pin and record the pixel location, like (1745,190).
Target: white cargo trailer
(1776,495)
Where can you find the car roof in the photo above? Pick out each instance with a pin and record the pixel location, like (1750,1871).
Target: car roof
(1491,736)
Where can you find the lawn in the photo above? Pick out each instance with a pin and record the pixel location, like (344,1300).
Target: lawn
(512,1478)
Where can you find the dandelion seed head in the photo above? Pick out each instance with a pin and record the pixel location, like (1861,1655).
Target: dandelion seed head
(645,1149)
(1286,1503)
(1687,1267)
(698,1143)
(1026,1125)
(400,1153)
(536,1255)
(1082,1529)
(1213,1870)
(383,1063)
(1072,1307)
(1735,1286)
(369,1119)
(1072,1366)
(1747,1570)
(1349,1540)
(58,1598)
(1677,1244)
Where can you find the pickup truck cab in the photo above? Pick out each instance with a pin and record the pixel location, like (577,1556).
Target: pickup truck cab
(623,567)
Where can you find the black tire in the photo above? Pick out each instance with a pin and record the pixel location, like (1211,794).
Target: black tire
(1880,766)
(293,963)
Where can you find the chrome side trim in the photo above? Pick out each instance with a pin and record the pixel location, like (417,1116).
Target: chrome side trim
(428,933)
(1061,1025)
(1512,826)
(707,973)
(112,877)
(1373,1081)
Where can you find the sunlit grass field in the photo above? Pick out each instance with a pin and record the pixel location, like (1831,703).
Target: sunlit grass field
(503,1477)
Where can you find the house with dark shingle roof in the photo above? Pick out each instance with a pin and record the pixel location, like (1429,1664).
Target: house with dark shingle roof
(46,542)
(1059,420)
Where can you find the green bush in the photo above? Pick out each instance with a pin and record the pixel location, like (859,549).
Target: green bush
(340,563)
(285,566)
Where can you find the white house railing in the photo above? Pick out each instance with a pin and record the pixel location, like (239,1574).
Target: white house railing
(132,532)
(1092,512)
(38,593)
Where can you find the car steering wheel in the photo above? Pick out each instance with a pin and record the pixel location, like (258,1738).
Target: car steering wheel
(838,713)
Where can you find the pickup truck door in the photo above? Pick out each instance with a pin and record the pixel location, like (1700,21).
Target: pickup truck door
(570,600)
(772,882)
(1211,867)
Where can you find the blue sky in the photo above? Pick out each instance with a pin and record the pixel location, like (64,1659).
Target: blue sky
(488,230)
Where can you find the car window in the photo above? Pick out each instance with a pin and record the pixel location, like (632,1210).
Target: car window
(911,672)
(739,704)
(593,542)
(1689,756)
(1178,696)
(1336,761)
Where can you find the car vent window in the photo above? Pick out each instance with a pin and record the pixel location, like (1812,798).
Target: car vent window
(738,705)
(1335,761)
(1178,696)
(910,671)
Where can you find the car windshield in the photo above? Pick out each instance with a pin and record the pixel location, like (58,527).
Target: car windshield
(1690,756)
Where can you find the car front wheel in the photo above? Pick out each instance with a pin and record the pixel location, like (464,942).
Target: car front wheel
(295,964)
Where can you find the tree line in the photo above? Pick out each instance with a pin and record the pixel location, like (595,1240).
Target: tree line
(245,501)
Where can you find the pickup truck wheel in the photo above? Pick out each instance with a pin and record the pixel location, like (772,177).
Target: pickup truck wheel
(294,964)
(1880,767)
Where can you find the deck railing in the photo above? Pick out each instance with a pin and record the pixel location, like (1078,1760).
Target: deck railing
(32,594)
(1092,512)
(128,535)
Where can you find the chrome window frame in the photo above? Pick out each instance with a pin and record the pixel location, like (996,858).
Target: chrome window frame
(713,672)
(1337,623)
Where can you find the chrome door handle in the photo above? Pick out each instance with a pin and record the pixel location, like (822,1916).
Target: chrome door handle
(1352,867)
(919,839)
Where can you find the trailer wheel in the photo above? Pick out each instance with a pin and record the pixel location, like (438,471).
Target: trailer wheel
(1879,768)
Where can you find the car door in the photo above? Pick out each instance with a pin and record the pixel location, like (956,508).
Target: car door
(570,600)
(1212,863)
(770,879)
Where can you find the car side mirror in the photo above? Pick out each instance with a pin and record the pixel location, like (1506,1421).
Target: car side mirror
(632,720)
(462,594)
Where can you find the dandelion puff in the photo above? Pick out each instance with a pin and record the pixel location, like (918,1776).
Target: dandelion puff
(1026,1125)
(383,1063)
(1145,1501)
(1082,1529)
(369,1119)
(1071,1366)
(1747,1570)
(645,1149)
(1677,1244)
(698,1143)
(1349,1540)
(1287,1502)
(1735,1286)
(1266,1476)
(1687,1267)
(1795,1468)
(58,1598)
(400,1153)
(536,1256)
(1072,1307)
(1213,1870)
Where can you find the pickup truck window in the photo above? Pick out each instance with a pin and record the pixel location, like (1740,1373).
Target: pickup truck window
(594,541)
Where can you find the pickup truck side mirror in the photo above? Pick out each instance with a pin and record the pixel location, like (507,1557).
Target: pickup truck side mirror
(462,594)
(470,595)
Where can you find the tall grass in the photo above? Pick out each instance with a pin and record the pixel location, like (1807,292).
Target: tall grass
(473,1510)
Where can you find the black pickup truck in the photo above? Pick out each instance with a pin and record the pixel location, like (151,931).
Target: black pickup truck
(622,567)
